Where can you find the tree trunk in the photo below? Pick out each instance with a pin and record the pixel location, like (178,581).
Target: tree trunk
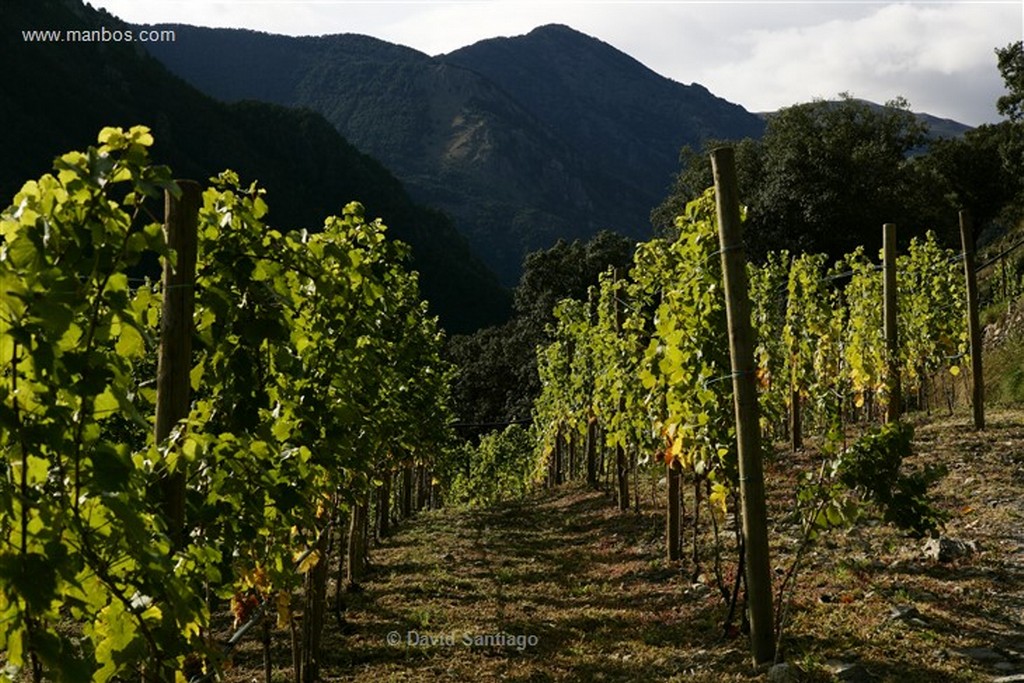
(268,664)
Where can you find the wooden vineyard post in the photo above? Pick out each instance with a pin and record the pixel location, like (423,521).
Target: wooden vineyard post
(421,487)
(315,603)
(892,347)
(384,503)
(559,455)
(592,426)
(572,454)
(795,430)
(621,464)
(748,428)
(407,491)
(591,446)
(174,361)
(357,542)
(673,527)
(974,328)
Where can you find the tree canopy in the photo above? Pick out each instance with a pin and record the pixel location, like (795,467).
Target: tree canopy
(497,379)
(824,177)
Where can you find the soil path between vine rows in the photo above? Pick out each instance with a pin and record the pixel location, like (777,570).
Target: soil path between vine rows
(563,587)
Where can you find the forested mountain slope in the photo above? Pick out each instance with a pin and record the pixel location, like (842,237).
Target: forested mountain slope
(309,170)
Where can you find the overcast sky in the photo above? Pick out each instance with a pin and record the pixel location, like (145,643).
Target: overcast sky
(762,55)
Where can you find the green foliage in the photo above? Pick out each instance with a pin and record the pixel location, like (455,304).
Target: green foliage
(501,467)
(567,270)
(970,172)
(648,356)
(685,369)
(932,310)
(80,535)
(824,178)
(872,467)
(767,284)
(1011,68)
(694,177)
(314,361)
(865,351)
(820,333)
(1011,105)
(497,367)
(310,169)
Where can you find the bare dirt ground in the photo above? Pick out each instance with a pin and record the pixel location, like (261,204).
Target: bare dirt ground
(562,587)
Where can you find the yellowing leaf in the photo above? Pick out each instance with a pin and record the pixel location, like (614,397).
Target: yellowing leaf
(955,370)
(109,134)
(308,563)
(283,602)
(140,135)
(719,500)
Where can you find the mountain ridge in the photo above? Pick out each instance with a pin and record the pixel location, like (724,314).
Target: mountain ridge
(464,142)
(523,140)
(309,170)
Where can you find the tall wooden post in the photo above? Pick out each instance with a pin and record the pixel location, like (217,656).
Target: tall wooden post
(356,545)
(559,455)
(422,483)
(973,326)
(314,607)
(795,426)
(748,428)
(384,503)
(407,472)
(892,346)
(621,464)
(591,446)
(174,362)
(572,454)
(673,525)
(1006,295)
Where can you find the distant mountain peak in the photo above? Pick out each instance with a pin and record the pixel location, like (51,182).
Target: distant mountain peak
(523,140)
(570,43)
(560,30)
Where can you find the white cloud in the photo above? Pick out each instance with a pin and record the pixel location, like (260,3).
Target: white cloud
(935,55)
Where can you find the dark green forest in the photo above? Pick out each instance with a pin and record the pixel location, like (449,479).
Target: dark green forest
(823,178)
(308,167)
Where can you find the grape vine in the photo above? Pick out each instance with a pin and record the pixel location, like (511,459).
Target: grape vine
(316,372)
